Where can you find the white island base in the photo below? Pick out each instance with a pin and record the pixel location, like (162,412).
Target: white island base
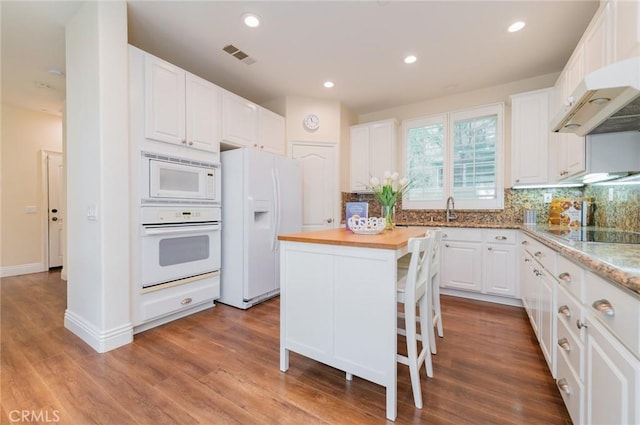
(338,302)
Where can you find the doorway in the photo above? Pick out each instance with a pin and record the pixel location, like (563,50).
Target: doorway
(320,196)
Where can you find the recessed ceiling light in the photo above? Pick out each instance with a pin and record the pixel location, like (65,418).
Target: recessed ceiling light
(516,26)
(410,59)
(251,20)
(328,84)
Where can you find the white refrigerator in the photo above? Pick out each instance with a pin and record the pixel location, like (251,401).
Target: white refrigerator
(261,198)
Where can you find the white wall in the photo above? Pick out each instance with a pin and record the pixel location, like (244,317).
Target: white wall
(98,289)
(25,134)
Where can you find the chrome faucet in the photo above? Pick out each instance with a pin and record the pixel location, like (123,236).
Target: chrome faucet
(451,215)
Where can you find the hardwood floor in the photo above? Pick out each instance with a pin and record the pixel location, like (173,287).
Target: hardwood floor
(220,366)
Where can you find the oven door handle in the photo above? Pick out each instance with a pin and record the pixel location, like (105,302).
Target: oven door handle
(168,230)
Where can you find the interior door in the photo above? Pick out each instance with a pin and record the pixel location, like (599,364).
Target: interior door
(319,185)
(54,188)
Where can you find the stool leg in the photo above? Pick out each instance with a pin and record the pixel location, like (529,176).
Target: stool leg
(412,354)
(436,303)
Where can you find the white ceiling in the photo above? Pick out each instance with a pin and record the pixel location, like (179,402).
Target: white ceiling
(360,45)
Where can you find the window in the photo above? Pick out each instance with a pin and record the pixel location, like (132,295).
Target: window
(457,154)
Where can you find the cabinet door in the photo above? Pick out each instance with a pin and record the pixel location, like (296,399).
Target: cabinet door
(499,264)
(359,158)
(574,71)
(547,325)
(164,101)
(271,132)
(612,379)
(462,266)
(239,120)
(626,29)
(202,114)
(530,138)
(382,148)
(597,41)
(571,155)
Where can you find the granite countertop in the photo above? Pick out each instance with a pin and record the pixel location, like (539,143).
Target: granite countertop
(619,263)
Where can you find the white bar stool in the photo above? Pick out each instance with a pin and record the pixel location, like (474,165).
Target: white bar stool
(413,290)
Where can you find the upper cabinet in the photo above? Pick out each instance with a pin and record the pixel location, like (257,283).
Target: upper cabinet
(239,120)
(271,131)
(530,138)
(626,29)
(372,152)
(246,124)
(179,107)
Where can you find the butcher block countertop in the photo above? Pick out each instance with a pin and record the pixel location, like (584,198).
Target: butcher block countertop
(388,239)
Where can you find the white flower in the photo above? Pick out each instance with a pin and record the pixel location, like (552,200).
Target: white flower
(395,176)
(387,175)
(404,181)
(374,181)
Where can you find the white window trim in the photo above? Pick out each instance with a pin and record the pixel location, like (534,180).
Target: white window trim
(447,120)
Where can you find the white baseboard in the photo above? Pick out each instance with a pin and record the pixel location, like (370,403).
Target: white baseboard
(516,302)
(101,341)
(7,271)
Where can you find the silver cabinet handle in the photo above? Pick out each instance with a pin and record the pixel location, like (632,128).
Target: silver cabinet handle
(565,277)
(329,220)
(525,242)
(580,324)
(489,248)
(527,260)
(538,254)
(563,386)
(565,310)
(446,245)
(604,306)
(186,301)
(190,143)
(184,142)
(501,238)
(564,344)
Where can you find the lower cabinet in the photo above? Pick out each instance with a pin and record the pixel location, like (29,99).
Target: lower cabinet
(480,260)
(590,328)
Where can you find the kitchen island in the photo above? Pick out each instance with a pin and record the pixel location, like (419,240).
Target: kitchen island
(338,301)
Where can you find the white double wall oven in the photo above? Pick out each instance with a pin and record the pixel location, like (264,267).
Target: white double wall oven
(177,213)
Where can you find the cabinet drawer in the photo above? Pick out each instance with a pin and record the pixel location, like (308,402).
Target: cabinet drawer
(462,234)
(543,254)
(571,389)
(569,312)
(171,300)
(571,277)
(616,309)
(570,347)
(501,236)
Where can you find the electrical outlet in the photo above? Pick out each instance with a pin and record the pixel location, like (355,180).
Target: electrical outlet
(547,198)
(610,194)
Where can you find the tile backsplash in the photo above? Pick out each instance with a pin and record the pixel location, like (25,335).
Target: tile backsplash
(621,213)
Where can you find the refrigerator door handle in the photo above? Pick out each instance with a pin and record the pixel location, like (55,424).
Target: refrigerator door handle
(276,208)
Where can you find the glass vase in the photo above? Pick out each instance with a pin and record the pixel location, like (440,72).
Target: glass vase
(389,213)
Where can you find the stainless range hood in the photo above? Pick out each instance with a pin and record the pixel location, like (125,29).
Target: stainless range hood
(606,101)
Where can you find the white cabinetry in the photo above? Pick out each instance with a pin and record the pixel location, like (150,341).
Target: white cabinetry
(480,260)
(597,41)
(180,108)
(612,378)
(372,152)
(626,29)
(530,136)
(270,132)
(537,269)
(239,120)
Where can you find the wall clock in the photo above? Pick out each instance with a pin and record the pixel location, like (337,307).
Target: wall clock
(311,122)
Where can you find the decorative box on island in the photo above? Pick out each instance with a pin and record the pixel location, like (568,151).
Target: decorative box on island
(357,210)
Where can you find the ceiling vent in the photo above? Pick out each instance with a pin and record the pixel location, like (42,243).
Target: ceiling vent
(239,54)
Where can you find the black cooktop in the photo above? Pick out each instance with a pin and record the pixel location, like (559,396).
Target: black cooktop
(592,235)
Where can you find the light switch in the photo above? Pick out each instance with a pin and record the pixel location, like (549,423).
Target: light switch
(547,198)
(92,212)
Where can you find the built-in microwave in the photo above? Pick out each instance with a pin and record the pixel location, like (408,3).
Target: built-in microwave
(167,179)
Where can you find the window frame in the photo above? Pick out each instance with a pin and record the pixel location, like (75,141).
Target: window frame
(448,120)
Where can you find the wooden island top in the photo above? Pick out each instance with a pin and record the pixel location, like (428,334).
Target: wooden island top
(388,239)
